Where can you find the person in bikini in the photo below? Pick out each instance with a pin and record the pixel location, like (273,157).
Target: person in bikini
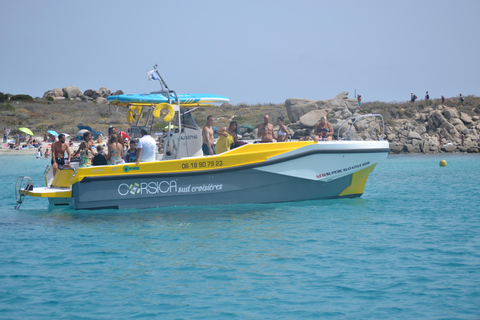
(208,145)
(283,132)
(323,130)
(265,130)
(115,151)
(58,153)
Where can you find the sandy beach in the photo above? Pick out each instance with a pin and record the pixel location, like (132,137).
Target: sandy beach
(5,149)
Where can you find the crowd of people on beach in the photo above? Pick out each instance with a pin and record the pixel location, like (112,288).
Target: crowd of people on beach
(119,148)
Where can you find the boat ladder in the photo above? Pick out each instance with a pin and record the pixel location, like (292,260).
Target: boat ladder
(20,192)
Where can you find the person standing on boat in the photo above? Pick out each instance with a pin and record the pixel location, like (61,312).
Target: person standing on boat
(115,151)
(283,132)
(85,156)
(131,153)
(208,145)
(58,153)
(323,130)
(227,137)
(145,148)
(99,159)
(87,137)
(265,130)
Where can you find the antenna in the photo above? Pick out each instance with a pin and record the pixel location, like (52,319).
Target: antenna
(162,82)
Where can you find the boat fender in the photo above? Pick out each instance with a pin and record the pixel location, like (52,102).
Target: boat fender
(165,110)
(133,112)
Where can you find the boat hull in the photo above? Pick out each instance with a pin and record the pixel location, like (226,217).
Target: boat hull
(295,176)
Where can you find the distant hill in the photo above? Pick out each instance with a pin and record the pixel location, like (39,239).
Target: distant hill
(41,114)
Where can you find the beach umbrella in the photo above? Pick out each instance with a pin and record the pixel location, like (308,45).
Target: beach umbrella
(66,135)
(26,130)
(53,133)
(81,132)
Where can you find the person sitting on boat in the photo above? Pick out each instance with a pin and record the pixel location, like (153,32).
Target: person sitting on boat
(131,153)
(99,159)
(283,132)
(226,137)
(115,151)
(208,145)
(306,136)
(85,155)
(160,146)
(265,130)
(145,148)
(323,130)
(58,153)
(87,137)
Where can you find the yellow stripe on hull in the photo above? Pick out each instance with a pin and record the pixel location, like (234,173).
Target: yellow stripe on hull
(359,179)
(50,193)
(248,154)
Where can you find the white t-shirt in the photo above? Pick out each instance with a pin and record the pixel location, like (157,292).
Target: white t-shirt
(148,145)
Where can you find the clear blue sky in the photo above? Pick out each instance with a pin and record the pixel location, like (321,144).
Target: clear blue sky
(250,51)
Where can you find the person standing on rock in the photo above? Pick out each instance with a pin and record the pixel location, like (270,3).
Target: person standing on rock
(443,99)
(461,100)
(413,97)
(359,99)
(265,130)
(427,96)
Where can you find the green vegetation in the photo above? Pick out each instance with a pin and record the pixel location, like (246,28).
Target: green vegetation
(65,115)
(7,107)
(4,97)
(21,97)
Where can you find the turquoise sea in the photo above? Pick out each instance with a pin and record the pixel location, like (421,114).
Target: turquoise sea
(409,248)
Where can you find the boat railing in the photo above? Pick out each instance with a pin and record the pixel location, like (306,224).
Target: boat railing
(22,186)
(350,133)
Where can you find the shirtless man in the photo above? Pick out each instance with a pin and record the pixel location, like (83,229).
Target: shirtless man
(58,153)
(208,145)
(265,130)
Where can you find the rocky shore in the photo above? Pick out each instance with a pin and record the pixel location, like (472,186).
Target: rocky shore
(424,126)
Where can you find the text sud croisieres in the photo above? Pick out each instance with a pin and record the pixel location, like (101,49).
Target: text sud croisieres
(162,187)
